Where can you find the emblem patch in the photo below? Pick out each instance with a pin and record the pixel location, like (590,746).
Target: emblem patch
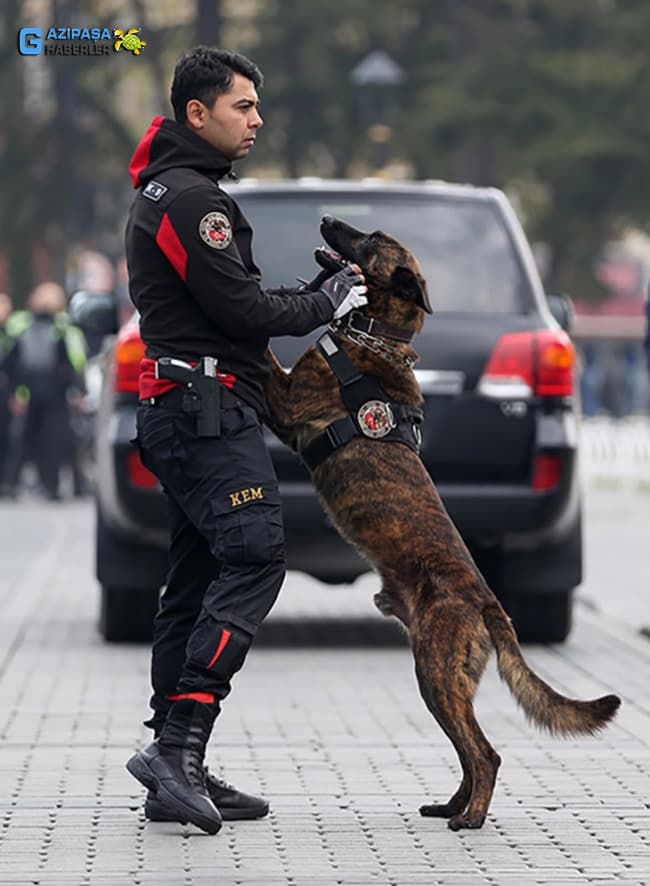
(215,230)
(254,493)
(154,191)
(375,419)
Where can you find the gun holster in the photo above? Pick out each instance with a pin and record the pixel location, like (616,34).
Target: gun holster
(202,394)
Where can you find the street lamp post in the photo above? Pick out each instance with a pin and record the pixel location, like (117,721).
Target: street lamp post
(375,75)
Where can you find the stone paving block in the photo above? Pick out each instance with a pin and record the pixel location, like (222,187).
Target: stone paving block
(346,753)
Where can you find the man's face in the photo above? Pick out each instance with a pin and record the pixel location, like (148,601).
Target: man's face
(231,124)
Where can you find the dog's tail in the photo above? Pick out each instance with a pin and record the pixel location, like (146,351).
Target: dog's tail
(543,706)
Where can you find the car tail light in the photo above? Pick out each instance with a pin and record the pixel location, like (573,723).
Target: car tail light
(525,364)
(129,350)
(547,469)
(137,473)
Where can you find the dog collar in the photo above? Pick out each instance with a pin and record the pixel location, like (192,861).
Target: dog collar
(358,322)
(375,343)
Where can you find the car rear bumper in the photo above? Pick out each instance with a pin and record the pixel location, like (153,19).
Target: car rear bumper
(512,517)
(131,511)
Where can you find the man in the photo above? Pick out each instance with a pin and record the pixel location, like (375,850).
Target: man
(45,369)
(194,282)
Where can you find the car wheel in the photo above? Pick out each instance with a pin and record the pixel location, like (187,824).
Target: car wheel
(540,618)
(126,614)
(552,568)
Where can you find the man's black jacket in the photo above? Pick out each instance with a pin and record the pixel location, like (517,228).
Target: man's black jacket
(192,276)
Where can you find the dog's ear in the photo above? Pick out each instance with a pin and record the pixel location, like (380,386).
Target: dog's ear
(407,285)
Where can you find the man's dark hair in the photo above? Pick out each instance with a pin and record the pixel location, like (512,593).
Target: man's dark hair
(205,73)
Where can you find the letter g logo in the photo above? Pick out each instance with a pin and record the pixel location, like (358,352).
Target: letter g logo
(30,41)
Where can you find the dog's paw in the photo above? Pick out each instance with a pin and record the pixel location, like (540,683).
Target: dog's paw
(436,810)
(383,602)
(465,821)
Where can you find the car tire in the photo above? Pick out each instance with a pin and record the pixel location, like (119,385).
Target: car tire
(552,568)
(126,614)
(541,618)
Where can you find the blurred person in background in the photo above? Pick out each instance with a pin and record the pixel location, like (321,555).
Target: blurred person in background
(44,366)
(5,415)
(646,341)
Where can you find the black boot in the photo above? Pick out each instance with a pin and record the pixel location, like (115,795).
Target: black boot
(233,805)
(172,767)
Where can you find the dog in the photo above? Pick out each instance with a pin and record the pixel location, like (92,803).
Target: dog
(382,500)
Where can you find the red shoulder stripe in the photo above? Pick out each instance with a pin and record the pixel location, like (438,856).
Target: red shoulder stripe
(171,247)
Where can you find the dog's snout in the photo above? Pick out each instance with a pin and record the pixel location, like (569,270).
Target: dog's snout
(327,220)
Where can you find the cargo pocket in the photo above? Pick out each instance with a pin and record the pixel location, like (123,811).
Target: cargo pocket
(161,450)
(155,429)
(249,532)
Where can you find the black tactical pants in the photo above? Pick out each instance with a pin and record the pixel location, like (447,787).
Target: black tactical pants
(227,559)
(44,437)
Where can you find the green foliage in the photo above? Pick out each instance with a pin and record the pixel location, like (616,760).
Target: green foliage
(545,98)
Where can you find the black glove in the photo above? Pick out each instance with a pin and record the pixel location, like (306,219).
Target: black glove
(346,291)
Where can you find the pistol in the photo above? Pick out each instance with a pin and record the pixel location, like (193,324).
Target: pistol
(203,382)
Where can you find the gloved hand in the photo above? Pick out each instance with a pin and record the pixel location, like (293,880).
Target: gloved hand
(316,282)
(330,263)
(346,291)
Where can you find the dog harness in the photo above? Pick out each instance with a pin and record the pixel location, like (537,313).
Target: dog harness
(370,412)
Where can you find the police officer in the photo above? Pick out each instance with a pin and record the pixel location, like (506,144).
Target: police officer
(45,366)
(195,284)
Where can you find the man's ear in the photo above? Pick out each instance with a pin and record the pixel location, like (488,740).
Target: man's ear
(407,285)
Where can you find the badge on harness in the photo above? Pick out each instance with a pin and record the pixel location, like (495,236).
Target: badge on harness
(375,419)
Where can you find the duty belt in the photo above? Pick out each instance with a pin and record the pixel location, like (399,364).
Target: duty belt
(370,412)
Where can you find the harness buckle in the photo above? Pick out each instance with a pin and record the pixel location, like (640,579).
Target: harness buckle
(333,436)
(356,317)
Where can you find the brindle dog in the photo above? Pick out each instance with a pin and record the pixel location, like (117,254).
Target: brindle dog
(382,500)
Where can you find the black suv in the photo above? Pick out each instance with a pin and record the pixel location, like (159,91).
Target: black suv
(497,373)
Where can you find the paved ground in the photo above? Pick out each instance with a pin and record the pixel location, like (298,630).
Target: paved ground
(338,739)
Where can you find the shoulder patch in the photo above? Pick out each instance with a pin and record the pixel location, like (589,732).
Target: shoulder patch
(215,230)
(154,191)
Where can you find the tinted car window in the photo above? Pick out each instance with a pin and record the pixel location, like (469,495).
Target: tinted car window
(463,246)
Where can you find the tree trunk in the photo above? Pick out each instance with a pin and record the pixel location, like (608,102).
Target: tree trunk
(209,22)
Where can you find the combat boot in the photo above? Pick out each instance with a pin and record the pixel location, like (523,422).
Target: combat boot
(172,766)
(233,805)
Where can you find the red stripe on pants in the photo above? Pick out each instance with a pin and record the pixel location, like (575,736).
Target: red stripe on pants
(225,636)
(204,697)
